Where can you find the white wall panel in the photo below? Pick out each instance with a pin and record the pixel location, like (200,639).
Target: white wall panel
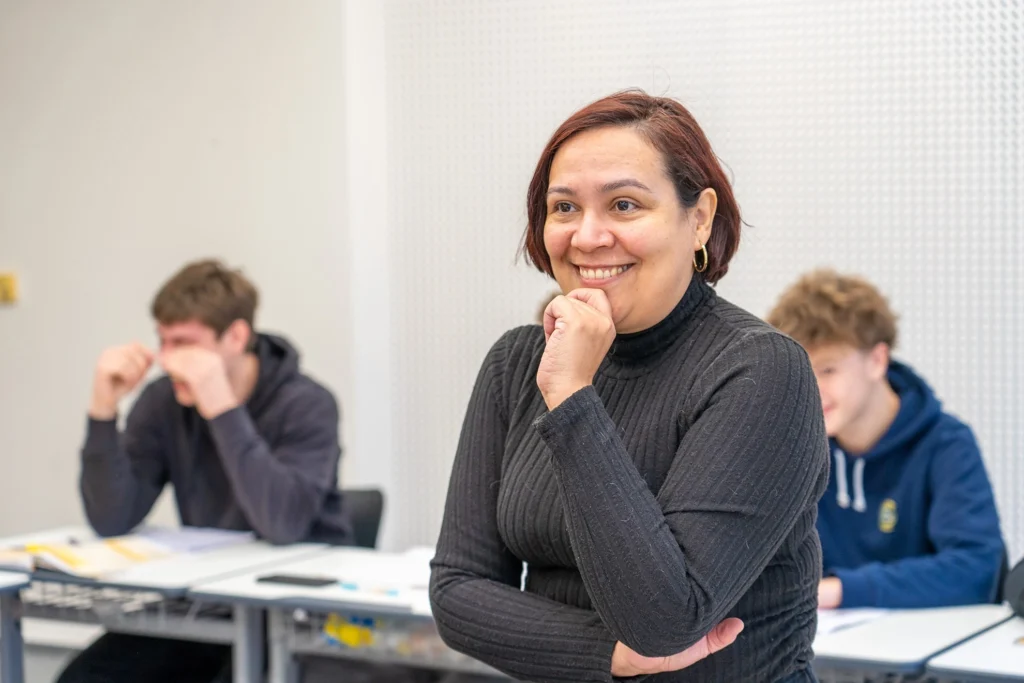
(878,137)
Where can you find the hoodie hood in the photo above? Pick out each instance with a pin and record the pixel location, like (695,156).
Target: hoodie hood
(279,364)
(919,411)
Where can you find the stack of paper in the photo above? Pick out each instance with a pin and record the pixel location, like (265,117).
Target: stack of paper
(100,557)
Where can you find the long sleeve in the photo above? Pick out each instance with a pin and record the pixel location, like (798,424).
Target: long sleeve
(281,490)
(663,569)
(477,603)
(123,473)
(963,526)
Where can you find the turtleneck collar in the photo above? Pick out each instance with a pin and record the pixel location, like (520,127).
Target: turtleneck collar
(638,347)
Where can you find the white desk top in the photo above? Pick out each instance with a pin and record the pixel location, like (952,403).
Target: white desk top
(387,582)
(175,574)
(182,572)
(61,534)
(12,581)
(998,653)
(904,639)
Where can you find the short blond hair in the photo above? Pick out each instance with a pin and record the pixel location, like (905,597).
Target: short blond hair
(825,307)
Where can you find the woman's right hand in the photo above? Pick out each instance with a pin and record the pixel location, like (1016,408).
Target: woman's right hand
(626,662)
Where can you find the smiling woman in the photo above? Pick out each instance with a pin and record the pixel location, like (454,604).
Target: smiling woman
(652,453)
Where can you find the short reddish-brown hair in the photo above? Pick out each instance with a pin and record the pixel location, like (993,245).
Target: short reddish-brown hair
(690,163)
(825,307)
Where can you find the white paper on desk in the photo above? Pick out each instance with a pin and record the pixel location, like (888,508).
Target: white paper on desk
(419,600)
(100,557)
(421,555)
(384,570)
(16,560)
(832,620)
(194,539)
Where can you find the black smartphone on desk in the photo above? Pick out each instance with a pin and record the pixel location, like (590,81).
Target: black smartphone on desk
(295,580)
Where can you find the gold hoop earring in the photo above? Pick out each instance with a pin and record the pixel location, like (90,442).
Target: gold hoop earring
(704,261)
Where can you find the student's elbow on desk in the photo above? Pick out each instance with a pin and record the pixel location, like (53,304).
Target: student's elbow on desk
(283,533)
(285,524)
(107,516)
(106,524)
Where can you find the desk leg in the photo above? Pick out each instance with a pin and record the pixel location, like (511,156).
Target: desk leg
(283,668)
(248,646)
(11,645)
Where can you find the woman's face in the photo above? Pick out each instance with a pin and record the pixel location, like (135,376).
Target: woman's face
(614,223)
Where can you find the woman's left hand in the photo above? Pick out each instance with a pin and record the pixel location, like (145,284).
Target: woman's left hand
(579,331)
(626,663)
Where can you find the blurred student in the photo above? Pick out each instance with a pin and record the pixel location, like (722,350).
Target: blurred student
(909,518)
(247,441)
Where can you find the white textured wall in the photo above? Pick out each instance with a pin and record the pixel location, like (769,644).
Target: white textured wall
(878,137)
(136,135)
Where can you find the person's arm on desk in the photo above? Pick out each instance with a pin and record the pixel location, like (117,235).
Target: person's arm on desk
(281,490)
(963,525)
(122,474)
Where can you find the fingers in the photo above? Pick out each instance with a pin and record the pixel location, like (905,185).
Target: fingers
(724,635)
(142,352)
(142,356)
(559,308)
(595,298)
(135,362)
(579,303)
(126,365)
(721,636)
(170,361)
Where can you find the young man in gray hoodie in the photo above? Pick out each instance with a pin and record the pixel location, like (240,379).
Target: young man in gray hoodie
(247,441)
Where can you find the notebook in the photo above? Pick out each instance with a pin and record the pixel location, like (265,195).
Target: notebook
(95,558)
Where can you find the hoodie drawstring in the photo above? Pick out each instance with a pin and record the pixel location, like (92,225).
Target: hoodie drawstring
(842,492)
(860,504)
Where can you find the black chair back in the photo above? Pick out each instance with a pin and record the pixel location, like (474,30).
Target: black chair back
(1013,589)
(365,508)
(1004,571)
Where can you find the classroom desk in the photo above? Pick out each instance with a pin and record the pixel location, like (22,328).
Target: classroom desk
(995,656)
(904,640)
(11,645)
(173,577)
(61,534)
(394,614)
(64,597)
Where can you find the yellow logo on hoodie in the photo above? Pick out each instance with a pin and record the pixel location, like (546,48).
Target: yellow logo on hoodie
(887,516)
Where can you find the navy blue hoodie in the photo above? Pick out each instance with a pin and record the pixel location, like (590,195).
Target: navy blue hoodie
(269,466)
(913,521)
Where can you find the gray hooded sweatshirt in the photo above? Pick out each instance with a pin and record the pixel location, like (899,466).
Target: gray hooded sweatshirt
(269,466)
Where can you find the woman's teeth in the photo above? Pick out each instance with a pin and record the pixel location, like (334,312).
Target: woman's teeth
(601,273)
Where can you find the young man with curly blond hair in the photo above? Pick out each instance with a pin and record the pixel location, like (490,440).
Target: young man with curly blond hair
(909,518)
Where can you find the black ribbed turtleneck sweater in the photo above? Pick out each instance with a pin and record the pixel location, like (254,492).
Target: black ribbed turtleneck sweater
(679,489)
